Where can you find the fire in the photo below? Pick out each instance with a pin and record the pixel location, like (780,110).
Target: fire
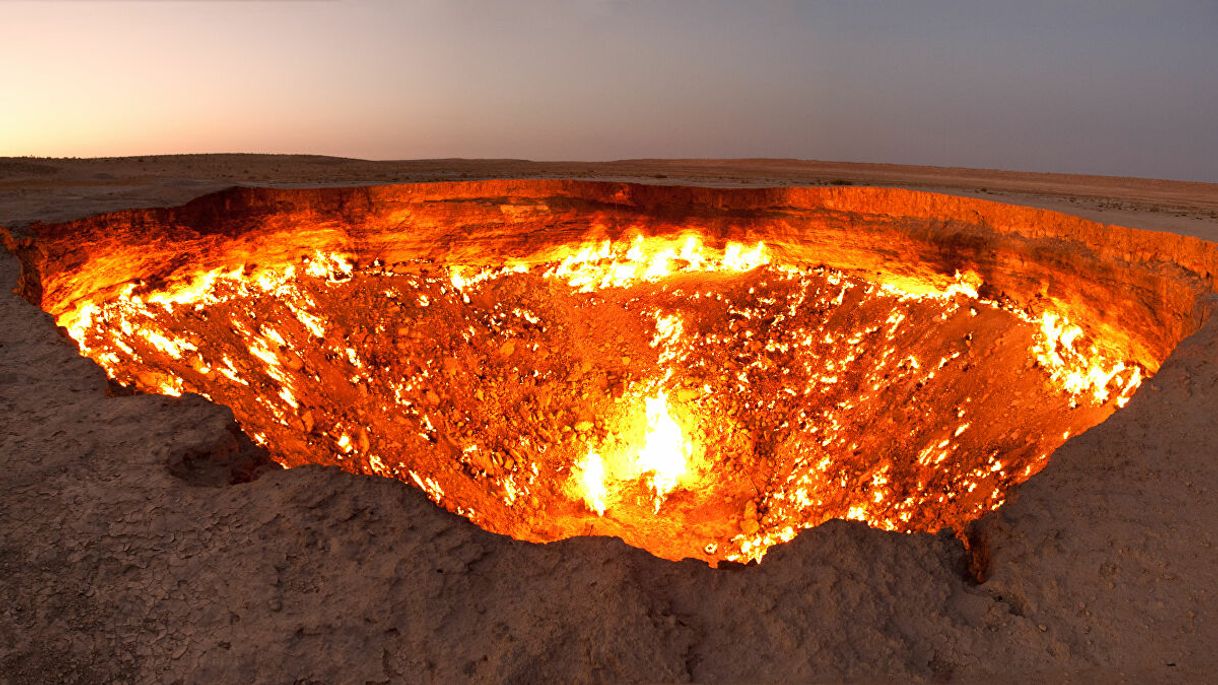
(595,266)
(590,482)
(652,387)
(665,451)
(1082,372)
(661,459)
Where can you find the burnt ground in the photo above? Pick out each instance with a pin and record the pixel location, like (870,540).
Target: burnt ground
(128,553)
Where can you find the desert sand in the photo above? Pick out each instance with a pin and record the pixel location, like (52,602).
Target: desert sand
(127,556)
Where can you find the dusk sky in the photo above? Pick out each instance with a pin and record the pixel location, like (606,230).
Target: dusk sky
(1094,86)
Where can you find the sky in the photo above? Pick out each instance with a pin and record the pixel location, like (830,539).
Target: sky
(1086,86)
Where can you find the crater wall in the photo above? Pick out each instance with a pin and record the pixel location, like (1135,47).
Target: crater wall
(1126,282)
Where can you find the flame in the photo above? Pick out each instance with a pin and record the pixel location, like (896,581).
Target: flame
(589,476)
(661,459)
(966,284)
(665,451)
(1082,372)
(595,266)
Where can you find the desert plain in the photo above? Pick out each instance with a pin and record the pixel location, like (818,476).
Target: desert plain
(127,554)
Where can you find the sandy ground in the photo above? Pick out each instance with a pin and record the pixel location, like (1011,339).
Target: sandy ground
(58,190)
(123,557)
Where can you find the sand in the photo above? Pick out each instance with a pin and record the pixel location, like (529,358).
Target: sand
(125,559)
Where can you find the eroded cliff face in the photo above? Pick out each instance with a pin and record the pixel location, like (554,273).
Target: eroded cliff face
(700,372)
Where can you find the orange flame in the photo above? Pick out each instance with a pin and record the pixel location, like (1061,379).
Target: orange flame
(663,459)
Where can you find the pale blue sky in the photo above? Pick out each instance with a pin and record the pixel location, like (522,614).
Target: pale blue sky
(1101,86)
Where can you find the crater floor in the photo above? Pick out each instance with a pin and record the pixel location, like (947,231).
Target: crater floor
(705,414)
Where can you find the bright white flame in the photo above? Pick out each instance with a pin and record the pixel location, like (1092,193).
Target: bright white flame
(665,451)
(661,460)
(590,475)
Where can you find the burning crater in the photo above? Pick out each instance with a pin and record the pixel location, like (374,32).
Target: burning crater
(702,373)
